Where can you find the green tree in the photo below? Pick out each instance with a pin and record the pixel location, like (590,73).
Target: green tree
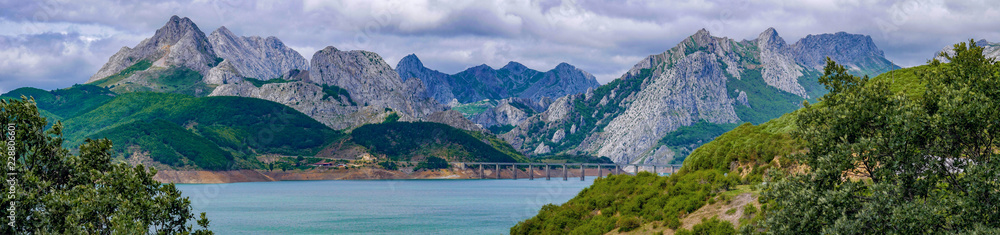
(894,164)
(432,163)
(709,227)
(58,192)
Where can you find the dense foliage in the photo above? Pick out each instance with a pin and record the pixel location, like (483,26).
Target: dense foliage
(644,197)
(884,162)
(241,124)
(169,144)
(766,102)
(687,138)
(431,163)
(337,93)
(404,140)
(67,102)
(60,193)
(713,226)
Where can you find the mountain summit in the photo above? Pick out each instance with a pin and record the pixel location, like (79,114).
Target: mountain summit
(513,80)
(178,43)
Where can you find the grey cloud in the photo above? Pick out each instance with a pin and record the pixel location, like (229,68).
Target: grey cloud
(449,36)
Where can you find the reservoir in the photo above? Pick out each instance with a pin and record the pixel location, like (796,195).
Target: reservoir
(376,206)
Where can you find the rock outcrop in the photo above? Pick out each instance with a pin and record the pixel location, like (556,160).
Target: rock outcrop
(256,57)
(368,80)
(780,69)
(510,111)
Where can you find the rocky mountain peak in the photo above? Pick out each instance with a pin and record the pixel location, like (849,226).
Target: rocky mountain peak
(174,29)
(515,67)
(437,84)
(482,67)
(178,43)
(256,57)
(565,67)
(410,60)
(770,38)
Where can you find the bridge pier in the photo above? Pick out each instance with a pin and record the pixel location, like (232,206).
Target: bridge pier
(583,171)
(481,175)
(547,175)
(497,172)
(531,172)
(654,171)
(636,167)
(513,171)
(599,173)
(565,175)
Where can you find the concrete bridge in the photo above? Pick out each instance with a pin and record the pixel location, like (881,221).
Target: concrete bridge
(507,170)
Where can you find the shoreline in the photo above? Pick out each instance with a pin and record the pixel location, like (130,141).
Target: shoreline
(240,176)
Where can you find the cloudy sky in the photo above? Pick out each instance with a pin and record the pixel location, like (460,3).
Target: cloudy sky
(56,43)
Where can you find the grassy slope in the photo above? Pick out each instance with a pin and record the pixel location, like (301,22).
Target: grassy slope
(168,143)
(67,102)
(241,124)
(752,146)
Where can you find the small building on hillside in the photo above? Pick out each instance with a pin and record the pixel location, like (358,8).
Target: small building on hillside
(322,164)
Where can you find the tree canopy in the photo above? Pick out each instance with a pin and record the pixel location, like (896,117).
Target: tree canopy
(59,192)
(888,163)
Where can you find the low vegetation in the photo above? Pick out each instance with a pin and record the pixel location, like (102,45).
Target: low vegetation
(432,163)
(259,83)
(125,73)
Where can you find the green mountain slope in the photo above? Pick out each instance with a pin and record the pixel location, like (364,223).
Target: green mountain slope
(167,143)
(241,124)
(217,133)
(66,102)
(417,140)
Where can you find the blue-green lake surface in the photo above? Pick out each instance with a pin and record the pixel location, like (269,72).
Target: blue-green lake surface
(376,206)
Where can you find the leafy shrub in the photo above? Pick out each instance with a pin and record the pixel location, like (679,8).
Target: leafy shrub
(167,143)
(403,140)
(432,163)
(710,226)
(628,223)
(393,117)
(259,83)
(389,165)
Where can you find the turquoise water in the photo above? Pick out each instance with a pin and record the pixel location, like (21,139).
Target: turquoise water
(376,206)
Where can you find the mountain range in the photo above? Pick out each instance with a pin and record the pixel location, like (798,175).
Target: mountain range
(483,82)
(665,106)
(710,81)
